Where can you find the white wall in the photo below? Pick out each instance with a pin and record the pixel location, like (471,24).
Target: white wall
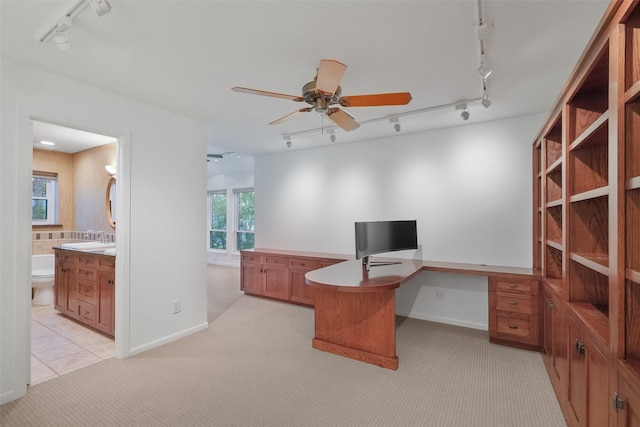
(469,188)
(228,181)
(161,182)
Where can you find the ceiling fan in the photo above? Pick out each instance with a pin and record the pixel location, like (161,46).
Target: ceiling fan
(325,91)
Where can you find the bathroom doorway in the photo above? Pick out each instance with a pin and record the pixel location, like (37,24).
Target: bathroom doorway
(71,171)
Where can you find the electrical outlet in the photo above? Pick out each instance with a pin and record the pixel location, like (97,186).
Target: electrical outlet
(440,294)
(176,306)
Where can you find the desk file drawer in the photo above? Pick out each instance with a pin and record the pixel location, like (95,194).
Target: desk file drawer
(516,327)
(518,303)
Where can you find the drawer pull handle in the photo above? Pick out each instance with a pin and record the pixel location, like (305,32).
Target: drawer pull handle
(513,302)
(513,327)
(513,286)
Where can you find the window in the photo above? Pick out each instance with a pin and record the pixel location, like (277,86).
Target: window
(218,224)
(44,198)
(244,219)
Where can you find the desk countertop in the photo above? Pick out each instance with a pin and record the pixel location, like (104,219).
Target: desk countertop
(352,276)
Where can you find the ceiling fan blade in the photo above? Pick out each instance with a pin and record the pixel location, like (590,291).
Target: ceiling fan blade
(342,119)
(290,116)
(375,100)
(265,93)
(330,75)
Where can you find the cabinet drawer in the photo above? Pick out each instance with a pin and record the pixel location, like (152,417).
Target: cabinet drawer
(87,312)
(516,327)
(529,287)
(86,273)
(64,256)
(520,303)
(251,258)
(107,262)
(276,260)
(308,264)
(87,291)
(86,260)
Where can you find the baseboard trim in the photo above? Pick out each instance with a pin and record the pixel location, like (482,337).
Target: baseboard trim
(446,320)
(168,339)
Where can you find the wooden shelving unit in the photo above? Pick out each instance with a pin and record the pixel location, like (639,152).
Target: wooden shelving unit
(631,342)
(587,201)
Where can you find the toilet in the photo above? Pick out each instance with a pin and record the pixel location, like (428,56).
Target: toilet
(43,272)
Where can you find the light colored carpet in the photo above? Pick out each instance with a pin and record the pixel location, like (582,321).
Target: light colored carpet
(254,366)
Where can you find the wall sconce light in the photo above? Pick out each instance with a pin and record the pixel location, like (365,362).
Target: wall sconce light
(396,123)
(111,169)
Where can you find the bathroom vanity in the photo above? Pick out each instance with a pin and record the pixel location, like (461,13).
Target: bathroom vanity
(85,287)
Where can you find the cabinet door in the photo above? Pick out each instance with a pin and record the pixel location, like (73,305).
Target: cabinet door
(300,291)
(554,342)
(105,318)
(598,401)
(577,390)
(276,282)
(72,307)
(251,278)
(629,414)
(60,287)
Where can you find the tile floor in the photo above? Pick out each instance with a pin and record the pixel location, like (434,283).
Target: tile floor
(60,345)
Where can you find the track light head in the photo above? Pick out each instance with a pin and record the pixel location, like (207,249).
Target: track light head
(61,40)
(486,102)
(101,7)
(465,114)
(332,136)
(484,71)
(287,140)
(396,123)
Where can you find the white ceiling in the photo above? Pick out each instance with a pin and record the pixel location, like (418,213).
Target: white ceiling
(66,140)
(184,56)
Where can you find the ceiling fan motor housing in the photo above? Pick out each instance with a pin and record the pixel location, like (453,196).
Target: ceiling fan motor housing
(320,101)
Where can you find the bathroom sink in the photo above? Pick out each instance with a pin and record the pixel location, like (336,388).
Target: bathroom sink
(110,251)
(88,246)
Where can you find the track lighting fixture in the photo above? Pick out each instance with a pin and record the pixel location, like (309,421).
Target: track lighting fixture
(61,40)
(101,7)
(396,123)
(332,135)
(465,111)
(58,31)
(484,71)
(486,102)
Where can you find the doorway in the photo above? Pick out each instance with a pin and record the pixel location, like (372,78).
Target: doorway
(74,161)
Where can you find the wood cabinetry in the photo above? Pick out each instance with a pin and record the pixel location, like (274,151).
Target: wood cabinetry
(280,274)
(554,349)
(84,288)
(587,228)
(513,312)
(588,376)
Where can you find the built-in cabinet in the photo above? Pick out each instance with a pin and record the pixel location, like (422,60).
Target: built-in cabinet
(586,228)
(513,312)
(280,274)
(85,288)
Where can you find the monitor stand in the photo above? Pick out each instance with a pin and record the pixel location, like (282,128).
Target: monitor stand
(367,263)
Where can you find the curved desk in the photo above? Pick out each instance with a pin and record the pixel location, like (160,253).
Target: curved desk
(355,309)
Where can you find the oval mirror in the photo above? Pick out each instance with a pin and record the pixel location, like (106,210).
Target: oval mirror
(110,202)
